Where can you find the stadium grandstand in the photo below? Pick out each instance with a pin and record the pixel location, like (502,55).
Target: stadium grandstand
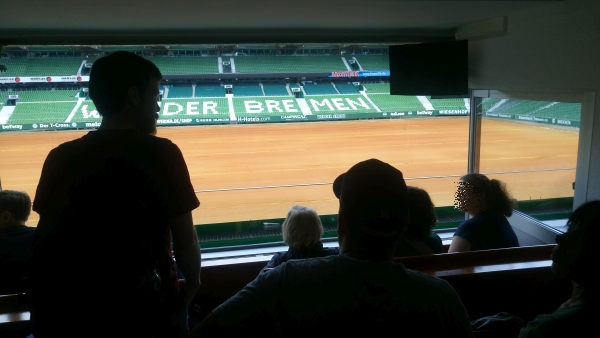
(291,64)
(373,62)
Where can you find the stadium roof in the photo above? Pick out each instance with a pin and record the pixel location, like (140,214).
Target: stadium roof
(102,22)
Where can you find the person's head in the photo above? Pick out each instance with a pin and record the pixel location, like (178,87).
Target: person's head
(125,83)
(576,253)
(476,193)
(373,209)
(302,227)
(15,207)
(421,211)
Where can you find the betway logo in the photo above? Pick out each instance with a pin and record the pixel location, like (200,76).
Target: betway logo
(12,126)
(424,113)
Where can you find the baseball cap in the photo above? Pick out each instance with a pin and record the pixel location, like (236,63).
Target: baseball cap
(374,194)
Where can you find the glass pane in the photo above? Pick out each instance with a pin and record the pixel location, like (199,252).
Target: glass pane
(532,147)
(255,145)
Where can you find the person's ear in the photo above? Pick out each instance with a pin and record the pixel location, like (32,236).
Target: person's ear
(134,97)
(5,216)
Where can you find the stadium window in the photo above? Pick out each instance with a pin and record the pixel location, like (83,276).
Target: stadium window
(268,141)
(532,145)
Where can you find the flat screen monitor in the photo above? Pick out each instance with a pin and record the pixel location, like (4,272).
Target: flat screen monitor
(436,69)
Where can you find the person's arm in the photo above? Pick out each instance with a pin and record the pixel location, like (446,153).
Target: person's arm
(187,252)
(459,244)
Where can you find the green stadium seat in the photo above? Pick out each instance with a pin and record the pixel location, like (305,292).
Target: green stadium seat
(56,112)
(396,103)
(171,65)
(373,62)
(46,95)
(448,104)
(379,88)
(247,91)
(320,89)
(180,92)
(275,90)
(347,89)
(291,64)
(210,91)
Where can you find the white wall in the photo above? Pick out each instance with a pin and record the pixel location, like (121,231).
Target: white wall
(554,47)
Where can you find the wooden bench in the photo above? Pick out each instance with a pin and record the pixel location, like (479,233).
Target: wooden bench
(517,280)
(14,316)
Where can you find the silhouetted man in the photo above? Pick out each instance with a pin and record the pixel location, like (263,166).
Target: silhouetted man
(108,204)
(360,292)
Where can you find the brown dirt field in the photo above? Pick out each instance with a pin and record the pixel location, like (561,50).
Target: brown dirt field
(242,156)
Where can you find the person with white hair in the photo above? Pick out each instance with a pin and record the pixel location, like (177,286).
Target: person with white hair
(302,231)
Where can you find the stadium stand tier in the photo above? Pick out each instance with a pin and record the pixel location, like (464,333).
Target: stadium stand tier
(265,106)
(541,109)
(275,90)
(194,107)
(53,66)
(46,95)
(291,64)
(346,88)
(171,65)
(56,112)
(210,91)
(14,66)
(448,104)
(372,62)
(346,104)
(396,103)
(255,90)
(320,89)
(379,88)
(180,91)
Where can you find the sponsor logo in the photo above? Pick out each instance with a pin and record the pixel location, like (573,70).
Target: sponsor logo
(567,122)
(293,117)
(74,125)
(92,124)
(12,126)
(17,79)
(454,112)
(397,114)
(424,113)
(34,125)
(79,79)
(344,74)
(506,116)
(331,116)
(60,125)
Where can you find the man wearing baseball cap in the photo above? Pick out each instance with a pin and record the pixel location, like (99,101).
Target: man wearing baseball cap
(359,292)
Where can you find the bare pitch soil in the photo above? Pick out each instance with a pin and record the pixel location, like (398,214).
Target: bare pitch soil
(305,157)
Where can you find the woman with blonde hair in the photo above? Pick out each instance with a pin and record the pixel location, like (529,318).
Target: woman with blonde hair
(302,231)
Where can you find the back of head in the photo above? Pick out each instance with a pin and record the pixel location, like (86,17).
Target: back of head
(17,203)
(302,227)
(422,213)
(112,76)
(374,201)
(493,192)
(581,237)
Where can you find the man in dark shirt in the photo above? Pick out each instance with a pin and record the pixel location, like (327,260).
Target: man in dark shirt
(15,239)
(109,203)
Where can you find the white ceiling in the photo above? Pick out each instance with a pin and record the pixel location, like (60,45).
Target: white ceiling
(99,21)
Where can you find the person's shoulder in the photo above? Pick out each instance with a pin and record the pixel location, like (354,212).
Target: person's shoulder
(560,322)
(425,279)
